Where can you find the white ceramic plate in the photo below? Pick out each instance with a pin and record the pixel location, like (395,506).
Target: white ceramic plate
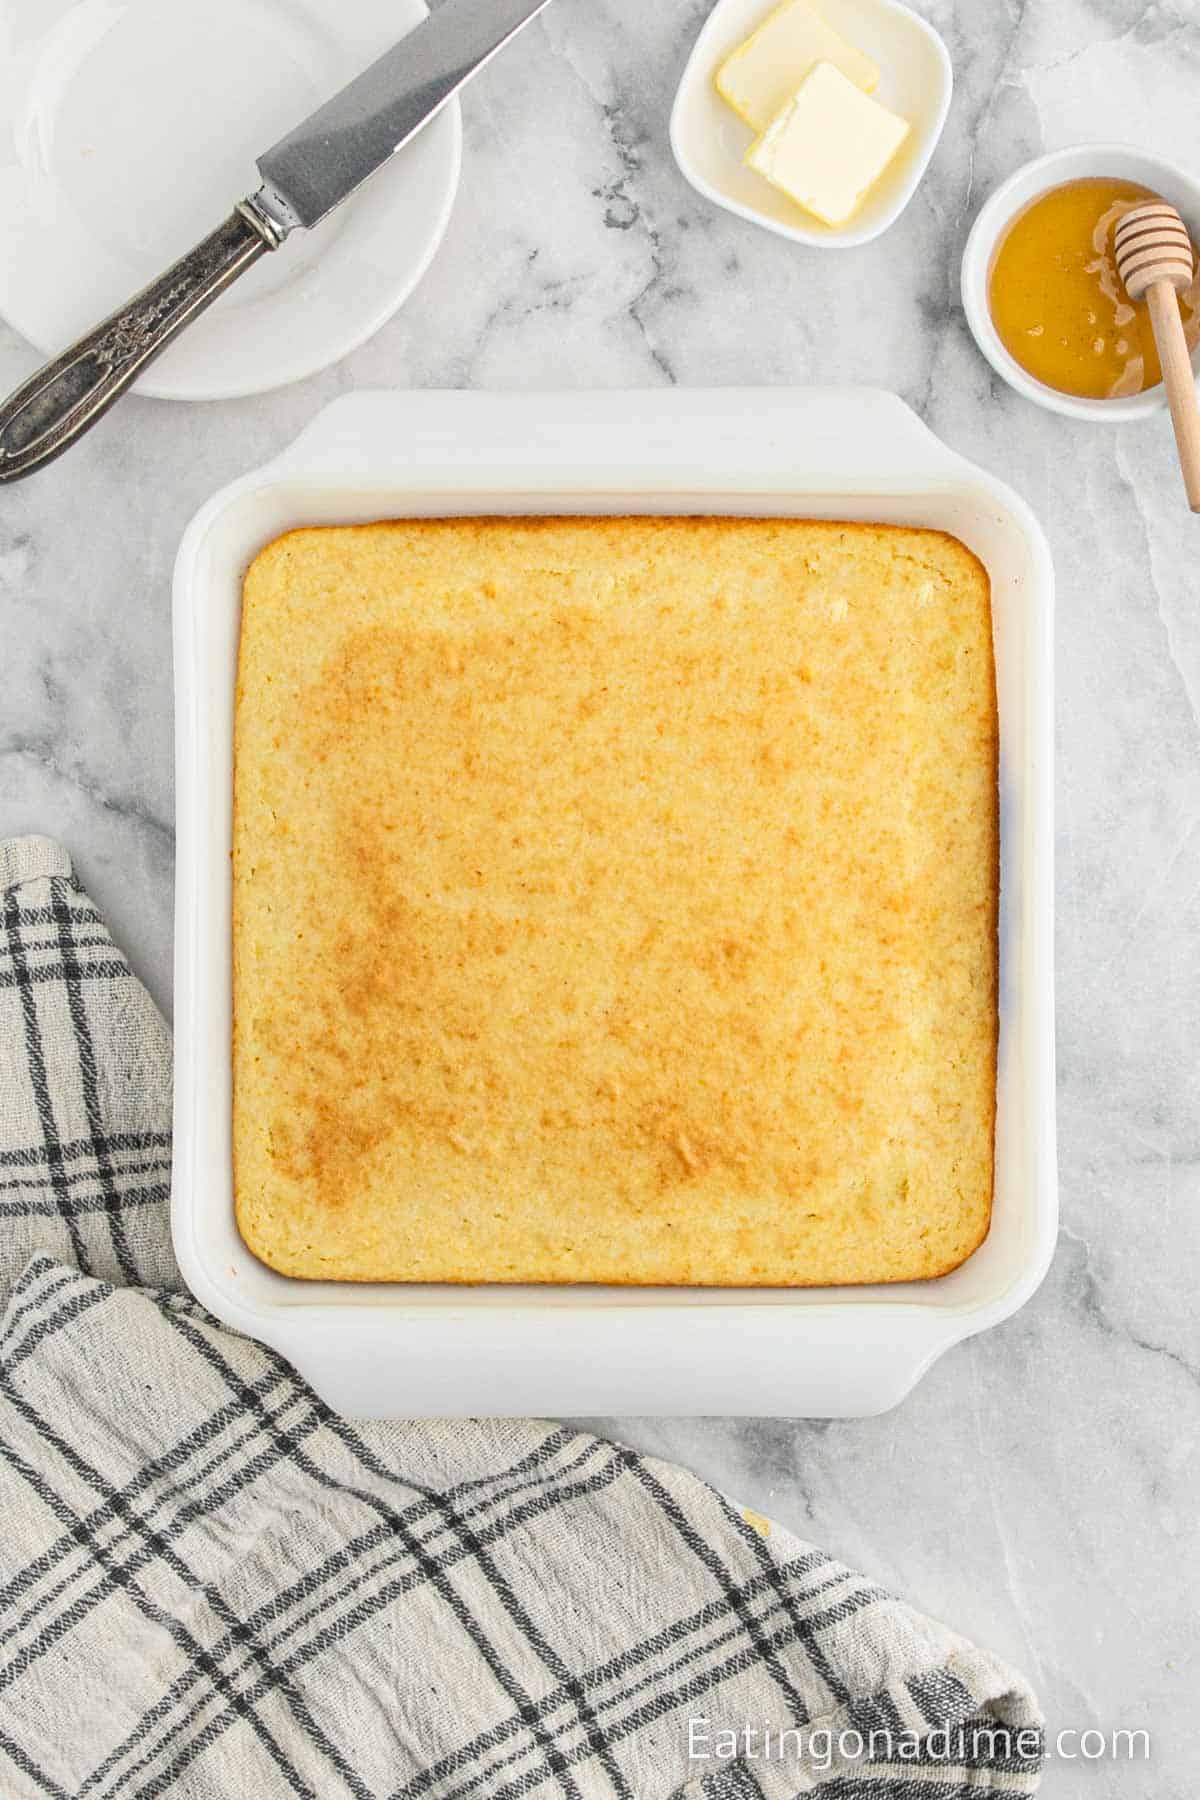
(128,129)
(393,1350)
(709,140)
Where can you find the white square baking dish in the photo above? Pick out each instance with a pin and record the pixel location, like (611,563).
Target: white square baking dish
(384,1350)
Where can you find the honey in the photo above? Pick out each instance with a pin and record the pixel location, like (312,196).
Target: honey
(1058,303)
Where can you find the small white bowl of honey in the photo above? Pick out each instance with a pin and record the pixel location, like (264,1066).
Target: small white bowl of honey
(1040,286)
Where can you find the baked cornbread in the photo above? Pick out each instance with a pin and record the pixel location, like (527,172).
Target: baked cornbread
(615,900)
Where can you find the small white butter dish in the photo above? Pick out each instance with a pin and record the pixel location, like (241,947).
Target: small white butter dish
(709,140)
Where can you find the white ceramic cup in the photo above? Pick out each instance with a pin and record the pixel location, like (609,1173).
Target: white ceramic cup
(1119,160)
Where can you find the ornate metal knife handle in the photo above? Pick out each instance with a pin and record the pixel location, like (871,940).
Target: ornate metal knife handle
(66,397)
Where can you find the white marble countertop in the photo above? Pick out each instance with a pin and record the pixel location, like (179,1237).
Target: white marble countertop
(1039,1488)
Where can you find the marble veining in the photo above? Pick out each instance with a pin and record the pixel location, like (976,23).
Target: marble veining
(1039,1488)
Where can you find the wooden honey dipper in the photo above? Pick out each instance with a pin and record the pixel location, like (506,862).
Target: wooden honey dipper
(1155,259)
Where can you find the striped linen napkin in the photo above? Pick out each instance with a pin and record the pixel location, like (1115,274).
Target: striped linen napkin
(210,1585)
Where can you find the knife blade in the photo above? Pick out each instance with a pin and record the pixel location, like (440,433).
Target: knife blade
(304,176)
(313,169)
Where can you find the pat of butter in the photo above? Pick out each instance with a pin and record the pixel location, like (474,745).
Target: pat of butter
(828,145)
(766,70)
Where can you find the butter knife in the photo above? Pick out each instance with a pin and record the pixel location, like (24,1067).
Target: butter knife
(304,176)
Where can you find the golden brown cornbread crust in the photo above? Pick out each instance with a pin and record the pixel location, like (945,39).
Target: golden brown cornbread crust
(615,900)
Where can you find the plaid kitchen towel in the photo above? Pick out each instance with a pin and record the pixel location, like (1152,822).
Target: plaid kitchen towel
(210,1585)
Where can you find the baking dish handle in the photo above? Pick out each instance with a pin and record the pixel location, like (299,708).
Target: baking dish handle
(812,439)
(529,1358)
